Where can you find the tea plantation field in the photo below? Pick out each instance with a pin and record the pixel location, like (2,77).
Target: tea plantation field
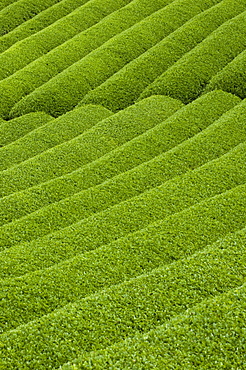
(123,184)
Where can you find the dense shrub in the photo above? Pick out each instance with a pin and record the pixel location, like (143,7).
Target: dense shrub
(231,78)
(39,22)
(45,67)
(187,122)
(65,90)
(125,86)
(147,301)
(186,79)
(94,143)
(14,129)
(53,133)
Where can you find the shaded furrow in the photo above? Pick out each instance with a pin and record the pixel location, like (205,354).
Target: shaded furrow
(142,303)
(186,79)
(62,92)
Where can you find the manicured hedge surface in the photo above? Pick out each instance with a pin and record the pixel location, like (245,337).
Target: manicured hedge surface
(215,327)
(64,91)
(53,133)
(20,11)
(94,143)
(5,3)
(39,22)
(27,50)
(14,129)
(232,78)
(45,67)
(144,148)
(125,86)
(186,79)
(142,303)
(62,284)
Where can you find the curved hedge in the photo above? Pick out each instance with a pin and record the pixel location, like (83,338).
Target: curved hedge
(201,329)
(63,281)
(232,78)
(14,129)
(186,79)
(20,11)
(123,310)
(64,91)
(29,49)
(39,22)
(41,70)
(125,86)
(54,133)
(94,143)
(146,147)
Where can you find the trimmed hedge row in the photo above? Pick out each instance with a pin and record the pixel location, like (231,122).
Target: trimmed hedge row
(62,284)
(18,127)
(64,91)
(20,11)
(41,70)
(63,129)
(134,212)
(94,143)
(39,22)
(232,78)
(29,49)
(186,79)
(125,86)
(144,302)
(4,3)
(211,330)
(165,136)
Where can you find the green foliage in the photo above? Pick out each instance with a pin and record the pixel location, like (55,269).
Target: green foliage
(64,91)
(153,144)
(186,79)
(232,78)
(45,67)
(27,50)
(20,11)
(62,284)
(125,86)
(94,143)
(147,301)
(210,335)
(53,133)
(14,129)
(39,22)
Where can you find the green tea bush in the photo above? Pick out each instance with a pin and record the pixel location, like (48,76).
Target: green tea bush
(53,133)
(186,79)
(184,124)
(39,22)
(65,90)
(16,128)
(232,78)
(94,143)
(29,49)
(147,301)
(203,329)
(125,86)
(49,65)
(20,11)
(4,3)
(63,282)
